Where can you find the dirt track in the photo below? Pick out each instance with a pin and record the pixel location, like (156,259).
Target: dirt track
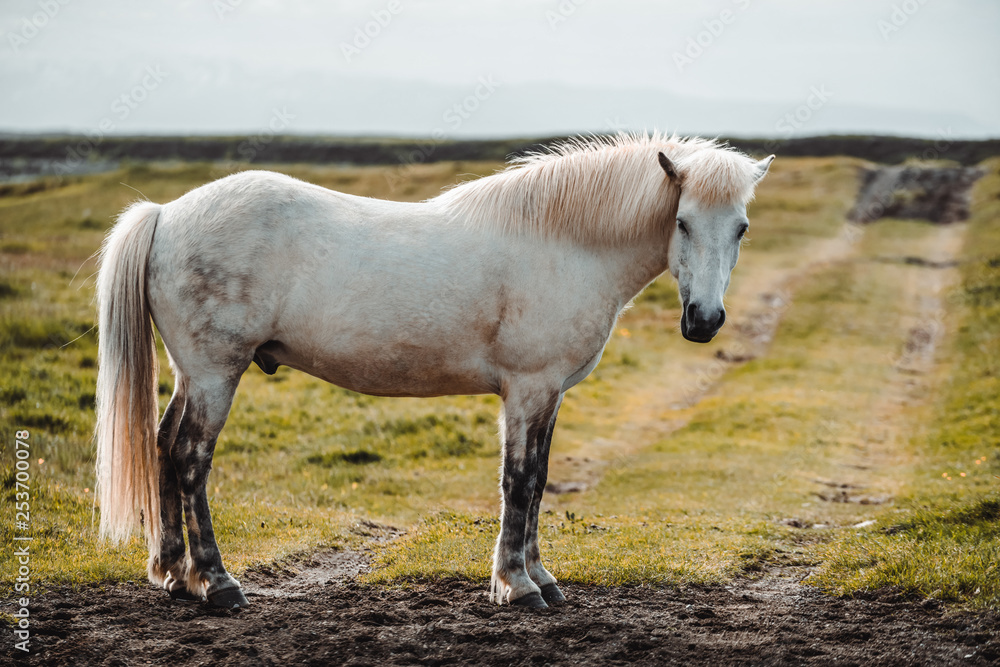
(320,616)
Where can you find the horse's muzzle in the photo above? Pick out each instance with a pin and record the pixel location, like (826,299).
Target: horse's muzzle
(699,325)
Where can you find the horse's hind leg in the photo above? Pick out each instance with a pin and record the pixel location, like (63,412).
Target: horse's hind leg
(209,399)
(166,559)
(527,416)
(546,582)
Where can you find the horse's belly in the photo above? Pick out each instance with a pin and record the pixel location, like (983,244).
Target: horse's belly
(394,370)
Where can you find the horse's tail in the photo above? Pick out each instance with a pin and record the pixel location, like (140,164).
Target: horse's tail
(127,464)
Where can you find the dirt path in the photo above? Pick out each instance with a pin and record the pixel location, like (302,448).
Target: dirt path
(869,472)
(321,617)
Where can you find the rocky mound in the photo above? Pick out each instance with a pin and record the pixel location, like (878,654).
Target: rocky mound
(938,194)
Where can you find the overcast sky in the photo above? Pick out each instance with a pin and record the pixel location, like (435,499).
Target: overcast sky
(502,67)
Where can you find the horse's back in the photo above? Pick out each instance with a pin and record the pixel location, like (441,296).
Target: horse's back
(254,206)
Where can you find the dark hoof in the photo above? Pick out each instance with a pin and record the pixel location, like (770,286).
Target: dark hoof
(552,594)
(229,598)
(531,601)
(185,595)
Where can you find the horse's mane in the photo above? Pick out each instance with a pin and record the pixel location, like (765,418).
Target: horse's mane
(601,189)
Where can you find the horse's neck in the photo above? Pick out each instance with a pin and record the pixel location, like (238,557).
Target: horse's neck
(636,265)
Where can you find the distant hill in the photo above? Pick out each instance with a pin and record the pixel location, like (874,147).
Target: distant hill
(55,154)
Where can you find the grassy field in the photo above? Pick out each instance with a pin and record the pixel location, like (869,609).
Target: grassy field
(835,448)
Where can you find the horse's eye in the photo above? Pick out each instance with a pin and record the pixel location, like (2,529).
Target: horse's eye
(742,232)
(681,226)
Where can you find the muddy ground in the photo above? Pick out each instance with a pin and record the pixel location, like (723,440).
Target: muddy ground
(318,614)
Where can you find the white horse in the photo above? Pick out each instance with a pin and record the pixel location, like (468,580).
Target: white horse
(510,284)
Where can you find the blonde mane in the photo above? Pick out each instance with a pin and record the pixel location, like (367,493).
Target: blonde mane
(601,189)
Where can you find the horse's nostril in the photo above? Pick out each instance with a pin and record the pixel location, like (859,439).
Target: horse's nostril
(692,313)
(696,317)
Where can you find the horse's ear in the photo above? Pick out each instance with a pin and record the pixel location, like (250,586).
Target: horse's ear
(762,166)
(667,165)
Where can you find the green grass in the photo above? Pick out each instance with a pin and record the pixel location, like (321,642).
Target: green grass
(950,555)
(301,463)
(948,544)
(594,549)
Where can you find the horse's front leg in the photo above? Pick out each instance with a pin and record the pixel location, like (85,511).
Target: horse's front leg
(546,582)
(526,419)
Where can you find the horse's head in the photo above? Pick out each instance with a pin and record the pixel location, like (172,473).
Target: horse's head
(703,252)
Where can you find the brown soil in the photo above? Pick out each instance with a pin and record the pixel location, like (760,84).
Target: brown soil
(321,616)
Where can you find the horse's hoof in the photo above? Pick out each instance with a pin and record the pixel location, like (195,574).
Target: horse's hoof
(228,598)
(531,601)
(184,595)
(552,595)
